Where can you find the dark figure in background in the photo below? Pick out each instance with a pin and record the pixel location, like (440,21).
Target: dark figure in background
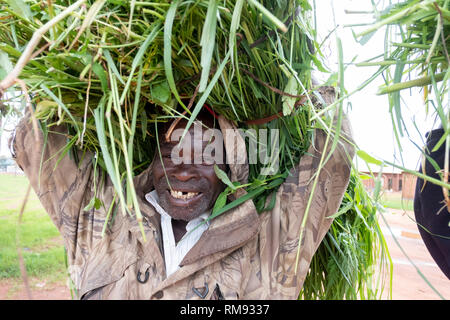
(432,215)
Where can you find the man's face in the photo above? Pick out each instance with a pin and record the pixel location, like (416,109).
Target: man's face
(185,190)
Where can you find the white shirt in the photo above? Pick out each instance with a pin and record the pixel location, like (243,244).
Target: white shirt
(174,253)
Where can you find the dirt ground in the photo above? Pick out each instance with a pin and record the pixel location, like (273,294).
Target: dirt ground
(407,284)
(40,290)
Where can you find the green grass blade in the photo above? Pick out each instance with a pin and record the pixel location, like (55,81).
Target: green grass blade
(207,42)
(168,25)
(205,95)
(61,104)
(156,28)
(280,25)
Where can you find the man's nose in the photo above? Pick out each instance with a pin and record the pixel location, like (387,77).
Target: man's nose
(184,173)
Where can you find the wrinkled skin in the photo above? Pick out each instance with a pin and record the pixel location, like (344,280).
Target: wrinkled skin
(200,179)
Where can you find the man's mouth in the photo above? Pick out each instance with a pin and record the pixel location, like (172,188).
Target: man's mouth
(177,194)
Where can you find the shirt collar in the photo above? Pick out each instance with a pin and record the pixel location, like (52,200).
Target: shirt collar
(153,198)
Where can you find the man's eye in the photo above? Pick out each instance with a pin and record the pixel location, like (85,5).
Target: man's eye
(208,161)
(166,158)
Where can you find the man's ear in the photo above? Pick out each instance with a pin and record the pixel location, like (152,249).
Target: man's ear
(156,155)
(144,181)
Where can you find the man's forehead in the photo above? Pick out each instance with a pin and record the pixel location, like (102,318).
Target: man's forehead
(175,141)
(198,126)
(205,125)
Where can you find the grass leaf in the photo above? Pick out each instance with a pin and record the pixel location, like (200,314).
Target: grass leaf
(289,102)
(224,177)
(207,42)
(21,8)
(368,158)
(168,25)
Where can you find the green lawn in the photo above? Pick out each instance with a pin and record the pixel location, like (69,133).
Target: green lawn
(394,200)
(40,240)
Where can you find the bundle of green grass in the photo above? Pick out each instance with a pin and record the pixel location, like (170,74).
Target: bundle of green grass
(143,60)
(110,69)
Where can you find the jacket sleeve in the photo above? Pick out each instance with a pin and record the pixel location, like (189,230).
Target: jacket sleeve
(64,187)
(281,228)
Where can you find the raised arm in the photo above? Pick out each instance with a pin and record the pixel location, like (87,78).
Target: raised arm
(281,228)
(63,187)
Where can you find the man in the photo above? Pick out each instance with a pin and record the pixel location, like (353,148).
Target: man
(237,255)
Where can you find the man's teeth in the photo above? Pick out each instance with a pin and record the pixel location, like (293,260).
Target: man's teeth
(182,195)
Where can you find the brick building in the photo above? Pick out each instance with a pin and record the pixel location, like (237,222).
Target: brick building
(403,182)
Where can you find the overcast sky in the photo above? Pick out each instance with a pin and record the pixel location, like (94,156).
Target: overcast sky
(369,115)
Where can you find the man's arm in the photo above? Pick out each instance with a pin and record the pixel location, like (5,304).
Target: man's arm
(282,226)
(63,187)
